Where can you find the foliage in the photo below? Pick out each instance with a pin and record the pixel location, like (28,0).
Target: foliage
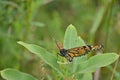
(12,74)
(86,66)
(35,21)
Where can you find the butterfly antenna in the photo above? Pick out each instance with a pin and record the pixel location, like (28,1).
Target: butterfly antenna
(58,44)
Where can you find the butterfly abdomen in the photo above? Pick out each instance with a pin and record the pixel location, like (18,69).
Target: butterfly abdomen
(97,47)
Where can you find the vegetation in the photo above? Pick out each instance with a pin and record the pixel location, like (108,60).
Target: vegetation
(39,22)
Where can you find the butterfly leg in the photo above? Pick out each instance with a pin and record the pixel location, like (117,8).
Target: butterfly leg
(57,56)
(69,58)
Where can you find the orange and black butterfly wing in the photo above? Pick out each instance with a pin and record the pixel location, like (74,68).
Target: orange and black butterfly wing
(69,58)
(79,51)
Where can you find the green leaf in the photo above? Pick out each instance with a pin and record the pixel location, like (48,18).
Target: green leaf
(70,37)
(87,76)
(96,62)
(12,74)
(72,40)
(80,41)
(44,55)
(98,20)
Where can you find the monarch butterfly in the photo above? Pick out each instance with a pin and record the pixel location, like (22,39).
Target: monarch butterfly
(69,54)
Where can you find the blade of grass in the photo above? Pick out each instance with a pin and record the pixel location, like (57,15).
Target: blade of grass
(99,20)
(114,69)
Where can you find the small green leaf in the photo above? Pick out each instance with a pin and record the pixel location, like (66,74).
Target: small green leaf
(80,41)
(44,55)
(12,74)
(97,61)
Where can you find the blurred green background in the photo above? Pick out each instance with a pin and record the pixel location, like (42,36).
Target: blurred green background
(38,21)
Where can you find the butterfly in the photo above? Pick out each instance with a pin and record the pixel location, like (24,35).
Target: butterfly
(69,54)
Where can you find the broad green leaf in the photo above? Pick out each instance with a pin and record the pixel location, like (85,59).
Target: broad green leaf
(97,61)
(72,40)
(12,74)
(70,37)
(87,76)
(44,55)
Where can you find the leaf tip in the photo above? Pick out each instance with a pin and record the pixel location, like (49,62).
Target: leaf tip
(71,26)
(21,43)
(18,42)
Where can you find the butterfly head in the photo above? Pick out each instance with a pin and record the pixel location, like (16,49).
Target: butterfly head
(63,52)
